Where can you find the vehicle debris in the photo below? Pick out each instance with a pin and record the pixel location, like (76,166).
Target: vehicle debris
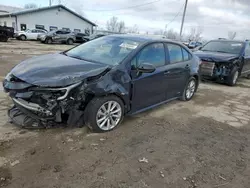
(162,174)
(15,163)
(143,160)
(222,178)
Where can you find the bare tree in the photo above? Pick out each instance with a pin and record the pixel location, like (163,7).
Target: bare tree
(121,27)
(30,6)
(171,34)
(195,34)
(232,35)
(133,29)
(114,25)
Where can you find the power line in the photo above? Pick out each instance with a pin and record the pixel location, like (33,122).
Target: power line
(135,6)
(178,13)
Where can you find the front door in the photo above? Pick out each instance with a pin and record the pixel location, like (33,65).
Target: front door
(178,70)
(149,88)
(246,65)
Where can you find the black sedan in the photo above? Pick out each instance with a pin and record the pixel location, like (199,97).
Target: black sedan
(100,81)
(225,60)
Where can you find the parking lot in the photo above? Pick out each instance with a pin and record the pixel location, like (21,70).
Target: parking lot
(201,143)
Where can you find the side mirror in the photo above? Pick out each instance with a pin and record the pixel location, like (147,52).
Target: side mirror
(146,68)
(199,48)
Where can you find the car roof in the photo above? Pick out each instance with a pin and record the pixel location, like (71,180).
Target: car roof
(144,38)
(226,40)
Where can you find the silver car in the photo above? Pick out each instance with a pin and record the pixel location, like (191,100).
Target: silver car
(58,36)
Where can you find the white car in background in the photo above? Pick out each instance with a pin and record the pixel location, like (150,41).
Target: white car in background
(29,34)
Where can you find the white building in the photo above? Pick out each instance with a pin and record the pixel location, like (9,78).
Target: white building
(49,18)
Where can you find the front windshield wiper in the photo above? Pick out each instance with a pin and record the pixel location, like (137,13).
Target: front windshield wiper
(221,51)
(84,59)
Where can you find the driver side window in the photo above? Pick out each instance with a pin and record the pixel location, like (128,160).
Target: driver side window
(152,54)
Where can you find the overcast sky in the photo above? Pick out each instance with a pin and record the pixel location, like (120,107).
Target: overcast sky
(217,17)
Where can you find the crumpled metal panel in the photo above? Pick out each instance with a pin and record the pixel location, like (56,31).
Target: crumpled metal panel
(56,70)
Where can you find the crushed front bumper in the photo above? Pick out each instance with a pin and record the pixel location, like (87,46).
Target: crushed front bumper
(36,107)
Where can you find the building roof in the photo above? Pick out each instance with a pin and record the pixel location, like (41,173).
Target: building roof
(26,11)
(8,9)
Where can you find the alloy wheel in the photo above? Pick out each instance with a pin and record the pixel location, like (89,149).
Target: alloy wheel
(190,89)
(109,115)
(236,75)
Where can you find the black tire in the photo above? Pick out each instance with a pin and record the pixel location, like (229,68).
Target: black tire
(231,81)
(184,94)
(70,41)
(3,38)
(23,37)
(92,108)
(48,41)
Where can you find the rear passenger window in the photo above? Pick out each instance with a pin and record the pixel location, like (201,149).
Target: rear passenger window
(186,55)
(175,53)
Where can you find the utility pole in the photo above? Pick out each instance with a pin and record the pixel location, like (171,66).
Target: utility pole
(50,2)
(183,18)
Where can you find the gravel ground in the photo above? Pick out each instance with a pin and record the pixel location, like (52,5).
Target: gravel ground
(201,143)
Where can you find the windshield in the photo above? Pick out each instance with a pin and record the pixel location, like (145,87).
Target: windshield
(108,50)
(223,46)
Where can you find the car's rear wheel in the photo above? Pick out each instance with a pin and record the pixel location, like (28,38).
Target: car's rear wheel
(48,41)
(70,41)
(103,114)
(233,77)
(189,90)
(23,37)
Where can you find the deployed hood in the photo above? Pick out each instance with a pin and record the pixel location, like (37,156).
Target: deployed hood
(215,56)
(56,70)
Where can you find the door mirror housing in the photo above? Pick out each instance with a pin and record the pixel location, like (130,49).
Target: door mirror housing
(146,68)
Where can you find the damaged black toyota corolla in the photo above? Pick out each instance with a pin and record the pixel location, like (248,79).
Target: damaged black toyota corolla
(99,82)
(225,60)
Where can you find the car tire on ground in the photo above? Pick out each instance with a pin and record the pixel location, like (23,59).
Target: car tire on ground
(23,37)
(103,114)
(48,41)
(70,41)
(233,77)
(3,38)
(189,90)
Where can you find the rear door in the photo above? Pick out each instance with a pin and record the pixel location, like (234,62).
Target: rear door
(32,34)
(149,88)
(246,65)
(178,69)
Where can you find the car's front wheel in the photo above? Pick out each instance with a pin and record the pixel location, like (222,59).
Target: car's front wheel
(48,41)
(103,114)
(23,37)
(70,41)
(189,90)
(233,78)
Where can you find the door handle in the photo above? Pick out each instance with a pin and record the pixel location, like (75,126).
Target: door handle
(166,72)
(187,66)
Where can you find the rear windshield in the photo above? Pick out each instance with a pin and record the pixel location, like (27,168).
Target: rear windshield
(223,47)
